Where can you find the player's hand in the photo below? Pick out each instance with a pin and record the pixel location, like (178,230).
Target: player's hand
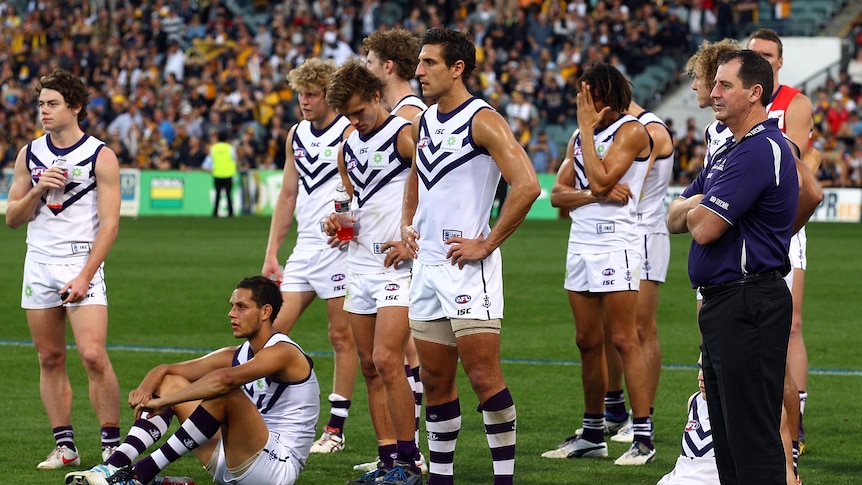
(272,270)
(621,194)
(588,117)
(138,397)
(77,289)
(331,224)
(462,250)
(52,178)
(152,406)
(409,236)
(396,252)
(334,242)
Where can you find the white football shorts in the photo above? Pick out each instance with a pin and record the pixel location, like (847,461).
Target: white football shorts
(274,465)
(656,256)
(368,292)
(42,282)
(603,272)
(798,255)
(446,291)
(323,272)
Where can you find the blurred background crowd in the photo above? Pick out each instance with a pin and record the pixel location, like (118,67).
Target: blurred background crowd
(167,76)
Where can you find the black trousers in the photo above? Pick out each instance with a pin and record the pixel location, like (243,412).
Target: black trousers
(223,185)
(745,333)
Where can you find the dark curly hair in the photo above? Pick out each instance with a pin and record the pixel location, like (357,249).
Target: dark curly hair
(74,91)
(608,85)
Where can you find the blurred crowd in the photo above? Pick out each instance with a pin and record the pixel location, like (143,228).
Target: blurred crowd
(167,76)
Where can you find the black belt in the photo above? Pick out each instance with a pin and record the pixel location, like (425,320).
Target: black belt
(751,279)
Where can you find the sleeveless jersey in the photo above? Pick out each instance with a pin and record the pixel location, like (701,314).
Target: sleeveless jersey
(378,174)
(315,155)
(290,409)
(696,463)
(453,173)
(606,226)
(651,207)
(410,100)
(67,234)
(697,437)
(718,140)
(778,104)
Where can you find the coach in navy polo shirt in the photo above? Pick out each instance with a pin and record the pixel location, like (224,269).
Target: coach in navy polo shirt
(740,212)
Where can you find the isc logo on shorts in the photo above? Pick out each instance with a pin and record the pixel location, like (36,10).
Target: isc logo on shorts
(337,277)
(392,287)
(462,299)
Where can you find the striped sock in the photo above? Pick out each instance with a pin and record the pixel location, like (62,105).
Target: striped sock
(499,416)
(146,431)
(110,436)
(594,428)
(642,428)
(795,445)
(340,408)
(442,423)
(195,431)
(65,436)
(418,393)
(615,405)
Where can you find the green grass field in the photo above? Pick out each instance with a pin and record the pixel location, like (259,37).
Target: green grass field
(169,281)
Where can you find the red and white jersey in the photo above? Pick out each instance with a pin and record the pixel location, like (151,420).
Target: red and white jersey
(778,105)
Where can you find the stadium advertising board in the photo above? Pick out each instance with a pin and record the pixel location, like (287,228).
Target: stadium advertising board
(154,192)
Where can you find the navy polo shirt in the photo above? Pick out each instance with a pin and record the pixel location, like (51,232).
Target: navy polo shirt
(754,188)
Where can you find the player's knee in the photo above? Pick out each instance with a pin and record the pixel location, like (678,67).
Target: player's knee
(624,342)
(172,383)
(52,358)
(95,360)
(341,340)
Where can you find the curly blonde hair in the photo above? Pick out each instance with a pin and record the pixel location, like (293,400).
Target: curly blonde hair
(704,62)
(311,75)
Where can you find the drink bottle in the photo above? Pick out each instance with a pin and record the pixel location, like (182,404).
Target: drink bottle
(54,199)
(344,214)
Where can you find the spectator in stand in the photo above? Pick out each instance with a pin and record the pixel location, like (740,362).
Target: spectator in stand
(553,106)
(854,72)
(827,173)
(544,153)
